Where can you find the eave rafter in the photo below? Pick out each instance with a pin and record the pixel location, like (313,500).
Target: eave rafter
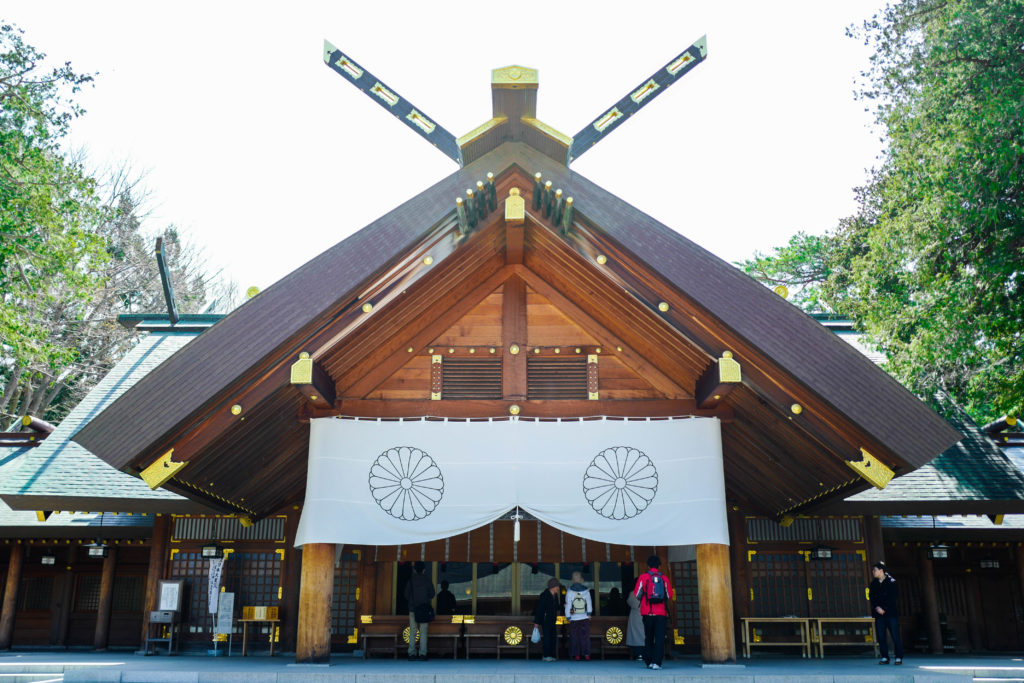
(233,405)
(793,402)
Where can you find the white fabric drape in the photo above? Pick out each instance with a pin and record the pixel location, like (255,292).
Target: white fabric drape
(657,482)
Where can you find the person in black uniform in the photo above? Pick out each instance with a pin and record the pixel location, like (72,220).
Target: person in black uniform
(548,609)
(885,600)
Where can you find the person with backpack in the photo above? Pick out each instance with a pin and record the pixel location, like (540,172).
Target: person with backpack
(654,592)
(578,608)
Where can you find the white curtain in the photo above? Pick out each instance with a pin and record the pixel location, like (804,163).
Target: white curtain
(641,482)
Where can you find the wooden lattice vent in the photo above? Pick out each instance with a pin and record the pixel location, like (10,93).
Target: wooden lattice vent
(556,378)
(468,378)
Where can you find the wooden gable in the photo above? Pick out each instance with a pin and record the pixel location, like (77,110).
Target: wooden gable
(662,312)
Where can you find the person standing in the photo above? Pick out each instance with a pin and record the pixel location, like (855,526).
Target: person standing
(418,592)
(445,600)
(544,618)
(578,608)
(884,596)
(635,628)
(654,592)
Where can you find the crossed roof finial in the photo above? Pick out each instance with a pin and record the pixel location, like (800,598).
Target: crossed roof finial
(514,99)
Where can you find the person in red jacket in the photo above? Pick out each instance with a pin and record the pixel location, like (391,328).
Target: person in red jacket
(654,591)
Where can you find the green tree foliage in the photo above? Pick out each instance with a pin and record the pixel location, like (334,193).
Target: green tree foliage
(931,267)
(71,253)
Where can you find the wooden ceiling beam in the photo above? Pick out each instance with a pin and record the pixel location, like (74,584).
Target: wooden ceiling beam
(313,382)
(717,382)
(528,408)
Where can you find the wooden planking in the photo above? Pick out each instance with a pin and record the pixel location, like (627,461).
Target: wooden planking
(618,382)
(411,381)
(480,327)
(548,326)
(513,334)
(539,408)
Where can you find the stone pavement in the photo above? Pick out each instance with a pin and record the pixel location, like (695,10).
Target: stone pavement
(88,667)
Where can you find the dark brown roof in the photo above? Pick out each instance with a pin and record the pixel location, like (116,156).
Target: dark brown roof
(274,325)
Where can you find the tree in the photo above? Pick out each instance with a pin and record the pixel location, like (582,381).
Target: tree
(72,256)
(931,266)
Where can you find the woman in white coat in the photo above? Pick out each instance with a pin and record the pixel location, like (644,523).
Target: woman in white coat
(635,635)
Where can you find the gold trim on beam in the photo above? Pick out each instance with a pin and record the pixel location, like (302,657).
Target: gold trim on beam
(302,370)
(481,130)
(162,469)
(547,130)
(872,470)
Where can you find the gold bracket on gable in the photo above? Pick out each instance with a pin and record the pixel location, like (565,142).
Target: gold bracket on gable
(592,386)
(161,470)
(436,376)
(872,470)
(515,208)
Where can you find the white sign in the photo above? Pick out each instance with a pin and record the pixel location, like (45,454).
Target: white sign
(216,569)
(225,614)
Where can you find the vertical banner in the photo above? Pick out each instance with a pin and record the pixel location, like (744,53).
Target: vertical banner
(216,569)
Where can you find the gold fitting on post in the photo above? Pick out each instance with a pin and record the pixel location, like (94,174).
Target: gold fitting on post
(663,307)
(367,307)
(796,408)
(513,409)
(514,349)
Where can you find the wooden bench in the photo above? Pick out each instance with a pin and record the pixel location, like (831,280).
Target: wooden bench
(781,631)
(604,631)
(495,635)
(443,636)
(381,636)
(855,631)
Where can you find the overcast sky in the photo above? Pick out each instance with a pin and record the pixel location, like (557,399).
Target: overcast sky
(265,157)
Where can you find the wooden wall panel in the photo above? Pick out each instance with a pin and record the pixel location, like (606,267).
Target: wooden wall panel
(480,327)
(548,326)
(616,381)
(412,381)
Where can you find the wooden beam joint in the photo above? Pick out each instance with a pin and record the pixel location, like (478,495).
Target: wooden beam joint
(718,381)
(312,381)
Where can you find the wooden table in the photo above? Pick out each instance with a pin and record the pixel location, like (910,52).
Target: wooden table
(245,633)
(804,633)
(819,633)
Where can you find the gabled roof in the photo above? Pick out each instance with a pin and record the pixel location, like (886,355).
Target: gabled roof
(259,339)
(60,474)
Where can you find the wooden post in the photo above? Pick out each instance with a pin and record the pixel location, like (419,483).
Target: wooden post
(290,588)
(740,566)
(974,618)
(513,331)
(930,603)
(11,596)
(367,603)
(717,639)
(873,539)
(1019,557)
(316,593)
(99,640)
(157,557)
(63,590)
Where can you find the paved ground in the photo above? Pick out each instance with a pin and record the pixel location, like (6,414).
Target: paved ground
(75,667)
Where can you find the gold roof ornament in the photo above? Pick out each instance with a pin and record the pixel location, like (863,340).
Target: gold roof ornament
(872,470)
(514,77)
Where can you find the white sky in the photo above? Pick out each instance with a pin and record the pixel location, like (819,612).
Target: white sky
(265,157)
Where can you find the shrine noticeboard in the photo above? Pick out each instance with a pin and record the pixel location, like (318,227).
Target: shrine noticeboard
(225,614)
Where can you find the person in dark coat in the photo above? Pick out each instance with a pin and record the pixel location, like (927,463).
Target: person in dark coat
(548,609)
(445,600)
(418,592)
(884,596)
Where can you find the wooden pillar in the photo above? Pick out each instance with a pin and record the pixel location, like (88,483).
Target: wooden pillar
(383,572)
(157,557)
(873,539)
(63,592)
(316,593)
(367,602)
(11,595)
(930,603)
(290,584)
(99,640)
(1019,557)
(740,566)
(717,639)
(974,618)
